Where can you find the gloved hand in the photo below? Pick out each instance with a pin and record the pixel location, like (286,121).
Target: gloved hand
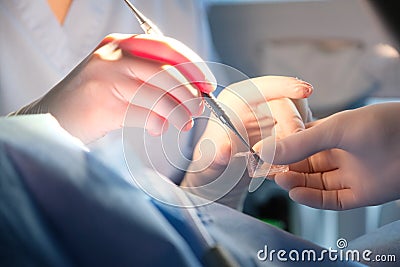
(345,161)
(247,105)
(93,99)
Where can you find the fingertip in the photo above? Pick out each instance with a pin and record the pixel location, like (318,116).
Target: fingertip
(266,149)
(188,125)
(280,179)
(309,90)
(302,81)
(106,40)
(257,147)
(296,194)
(303,90)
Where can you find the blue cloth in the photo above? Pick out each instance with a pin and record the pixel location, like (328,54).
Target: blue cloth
(59,206)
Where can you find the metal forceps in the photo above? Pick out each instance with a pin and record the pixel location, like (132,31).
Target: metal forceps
(215,254)
(150,28)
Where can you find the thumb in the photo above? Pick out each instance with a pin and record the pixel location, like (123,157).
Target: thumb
(300,145)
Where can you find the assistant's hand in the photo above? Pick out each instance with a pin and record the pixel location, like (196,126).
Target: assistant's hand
(348,160)
(126,75)
(258,107)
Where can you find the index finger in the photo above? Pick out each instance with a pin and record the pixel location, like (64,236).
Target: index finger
(275,87)
(171,52)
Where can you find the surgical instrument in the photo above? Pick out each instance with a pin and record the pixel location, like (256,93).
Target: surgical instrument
(215,255)
(150,28)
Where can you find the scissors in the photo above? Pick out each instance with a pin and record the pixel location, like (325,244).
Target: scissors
(150,28)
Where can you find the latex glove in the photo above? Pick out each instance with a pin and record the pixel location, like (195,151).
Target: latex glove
(348,160)
(93,99)
(247,104)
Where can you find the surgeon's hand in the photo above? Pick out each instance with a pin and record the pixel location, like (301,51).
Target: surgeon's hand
(258,107)
(348,160)
(118,79)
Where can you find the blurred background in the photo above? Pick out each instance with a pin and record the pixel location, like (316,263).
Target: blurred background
(348,50)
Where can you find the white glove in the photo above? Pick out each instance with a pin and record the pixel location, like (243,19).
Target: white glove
(214,171)
(93,99)
(345,161)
